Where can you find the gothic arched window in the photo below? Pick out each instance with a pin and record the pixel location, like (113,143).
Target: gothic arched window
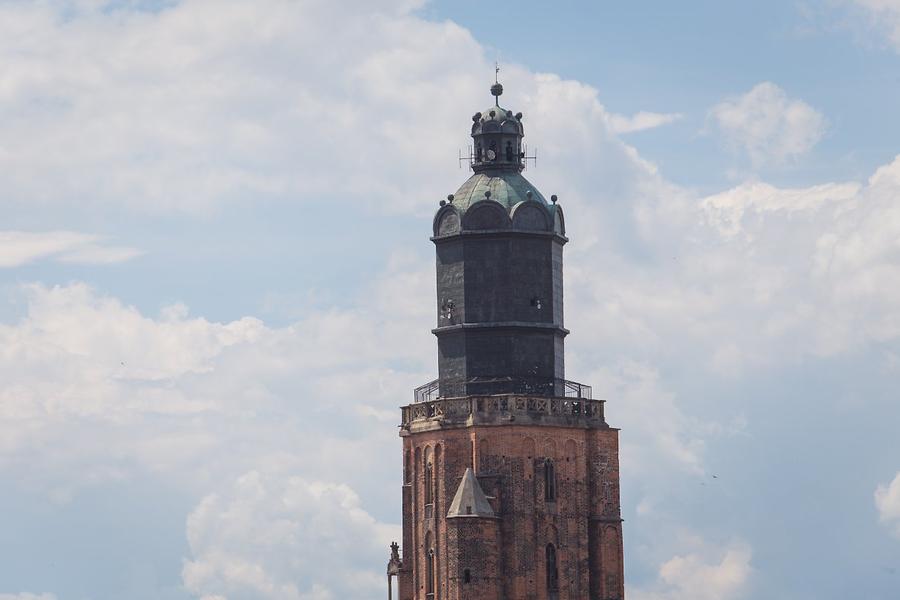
(549,481)
(429,568)
(429,482)
(509,151)
(552,570)
(407,467)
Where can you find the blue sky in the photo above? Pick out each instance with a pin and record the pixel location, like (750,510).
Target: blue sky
(685,57)
(217,284)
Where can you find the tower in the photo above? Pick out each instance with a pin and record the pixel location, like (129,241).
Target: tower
(510,472)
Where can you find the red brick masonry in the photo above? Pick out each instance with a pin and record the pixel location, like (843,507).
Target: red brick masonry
(506,556)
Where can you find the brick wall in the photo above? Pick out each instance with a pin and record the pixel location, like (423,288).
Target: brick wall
(581,519)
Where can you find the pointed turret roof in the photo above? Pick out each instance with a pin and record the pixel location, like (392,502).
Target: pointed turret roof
(470,500)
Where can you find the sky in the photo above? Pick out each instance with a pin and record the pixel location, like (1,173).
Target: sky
(216,284)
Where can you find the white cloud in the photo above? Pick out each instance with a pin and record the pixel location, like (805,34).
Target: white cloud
(887,501)
(18,248)
(276,536)
(705,574)
(97,394)
(884,15)
(768,124)
(85,374)
(726,211)
(641,121)
(752,277)
(202,103)
(206,104)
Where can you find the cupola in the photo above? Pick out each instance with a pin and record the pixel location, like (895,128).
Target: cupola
(497,135)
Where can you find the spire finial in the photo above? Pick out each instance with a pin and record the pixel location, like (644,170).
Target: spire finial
(496,89)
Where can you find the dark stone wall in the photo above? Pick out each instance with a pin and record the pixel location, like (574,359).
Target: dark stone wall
(499,307)
(450,282)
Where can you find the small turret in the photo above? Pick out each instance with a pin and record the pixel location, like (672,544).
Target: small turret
(473,536)
(497,135)
(470,500)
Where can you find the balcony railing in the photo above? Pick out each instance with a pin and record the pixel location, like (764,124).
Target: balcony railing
(505,408)
(484,386)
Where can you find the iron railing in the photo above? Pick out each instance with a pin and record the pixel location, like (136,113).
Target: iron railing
(485,386)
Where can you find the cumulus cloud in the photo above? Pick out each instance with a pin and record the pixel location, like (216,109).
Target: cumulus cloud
(702,575)
(768,125)
(887,501)
(201,105)
(755,275)
(274,535)
(22,247)
(641,121)
(97,393)
(84,372)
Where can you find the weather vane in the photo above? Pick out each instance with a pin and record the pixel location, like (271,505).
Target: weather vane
(496,89)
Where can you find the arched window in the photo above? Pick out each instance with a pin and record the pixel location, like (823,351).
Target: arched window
(429,572)
(552,570)
(509,151)
(467,576)
(478,152)
(549,481)
(407,467)
(429,482)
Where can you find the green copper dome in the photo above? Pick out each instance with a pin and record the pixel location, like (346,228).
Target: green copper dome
(506,187)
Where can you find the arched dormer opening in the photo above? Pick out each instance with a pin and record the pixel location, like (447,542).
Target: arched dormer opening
(486,214)
(530,215)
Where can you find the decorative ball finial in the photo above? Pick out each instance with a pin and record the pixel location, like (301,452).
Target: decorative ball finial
(487,194)
(442,203)
(553,198)
(496,89)
(450,198)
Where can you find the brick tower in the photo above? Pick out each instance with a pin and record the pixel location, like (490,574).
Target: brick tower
(511,473)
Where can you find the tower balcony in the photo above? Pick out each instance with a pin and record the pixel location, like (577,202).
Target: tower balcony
(537,401)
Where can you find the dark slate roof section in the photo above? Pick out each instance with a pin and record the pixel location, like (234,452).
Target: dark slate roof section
(470,500)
